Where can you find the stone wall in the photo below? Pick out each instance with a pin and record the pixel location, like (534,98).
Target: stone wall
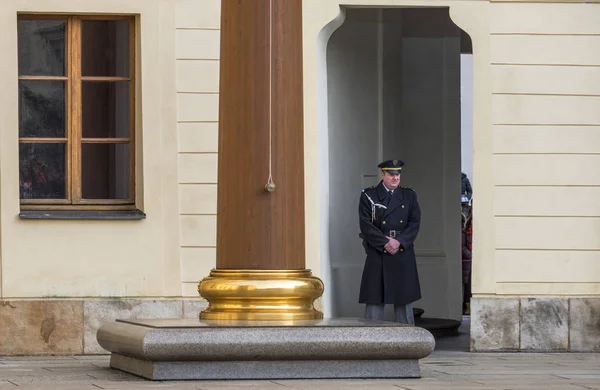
(535,324)
(68,327)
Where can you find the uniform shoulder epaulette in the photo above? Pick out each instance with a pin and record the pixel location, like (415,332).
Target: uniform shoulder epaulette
(369,188)
(407,188)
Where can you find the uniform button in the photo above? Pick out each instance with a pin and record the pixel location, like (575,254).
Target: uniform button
(402,206)
(383,222)
(401,221)
(401,250)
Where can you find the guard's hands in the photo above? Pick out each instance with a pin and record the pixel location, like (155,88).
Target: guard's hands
(393,246)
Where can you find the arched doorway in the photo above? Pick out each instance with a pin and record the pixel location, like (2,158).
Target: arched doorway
(321,19)
(393,89)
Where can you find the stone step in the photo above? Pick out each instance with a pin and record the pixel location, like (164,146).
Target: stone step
(181,349)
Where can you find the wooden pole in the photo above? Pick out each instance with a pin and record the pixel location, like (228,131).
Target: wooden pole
(260,212)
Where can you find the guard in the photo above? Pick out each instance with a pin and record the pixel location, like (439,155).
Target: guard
(389,216)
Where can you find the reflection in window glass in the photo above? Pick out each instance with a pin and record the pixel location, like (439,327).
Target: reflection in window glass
(41,47)
(42,170)
(42,108)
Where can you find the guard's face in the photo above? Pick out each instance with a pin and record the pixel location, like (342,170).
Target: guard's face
(390,180)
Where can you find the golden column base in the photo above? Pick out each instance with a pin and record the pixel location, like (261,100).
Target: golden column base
(259,295)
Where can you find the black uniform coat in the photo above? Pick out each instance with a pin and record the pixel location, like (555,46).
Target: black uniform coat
(389,278)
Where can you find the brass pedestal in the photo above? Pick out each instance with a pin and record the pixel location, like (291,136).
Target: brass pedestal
(260,295)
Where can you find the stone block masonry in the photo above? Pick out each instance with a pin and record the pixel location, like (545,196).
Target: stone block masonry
(535,324)
(69,326)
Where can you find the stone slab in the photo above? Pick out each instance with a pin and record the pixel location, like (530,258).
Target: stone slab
(167,323)
(193,349)
(585,324)
(544,324)
(101,311)
(41,327)
(495,324)
(267,369)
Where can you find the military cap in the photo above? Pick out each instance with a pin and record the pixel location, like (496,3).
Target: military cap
(392,166)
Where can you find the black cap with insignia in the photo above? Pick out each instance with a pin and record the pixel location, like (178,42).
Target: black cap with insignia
(392,166)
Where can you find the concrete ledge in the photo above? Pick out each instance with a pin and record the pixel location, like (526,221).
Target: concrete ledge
(336,348)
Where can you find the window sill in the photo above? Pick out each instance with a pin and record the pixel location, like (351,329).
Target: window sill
(83,214)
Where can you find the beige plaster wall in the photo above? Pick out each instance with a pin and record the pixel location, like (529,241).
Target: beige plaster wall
(536,137)
(546,128)
(45,258)
(197,48)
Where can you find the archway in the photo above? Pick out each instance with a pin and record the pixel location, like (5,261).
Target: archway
(393,91)
(321,19)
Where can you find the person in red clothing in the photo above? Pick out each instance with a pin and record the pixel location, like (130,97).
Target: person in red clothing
(467,247)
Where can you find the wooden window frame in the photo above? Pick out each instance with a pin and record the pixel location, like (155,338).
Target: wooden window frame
(73,106)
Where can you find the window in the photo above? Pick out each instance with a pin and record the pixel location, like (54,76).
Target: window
(76,112)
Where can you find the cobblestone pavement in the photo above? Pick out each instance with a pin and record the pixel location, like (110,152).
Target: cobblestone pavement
(441,370)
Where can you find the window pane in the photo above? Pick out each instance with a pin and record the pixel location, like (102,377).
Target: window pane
(42,170)
(41,47)
(105,112)
(105,48)
(105,171)
(42,108)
